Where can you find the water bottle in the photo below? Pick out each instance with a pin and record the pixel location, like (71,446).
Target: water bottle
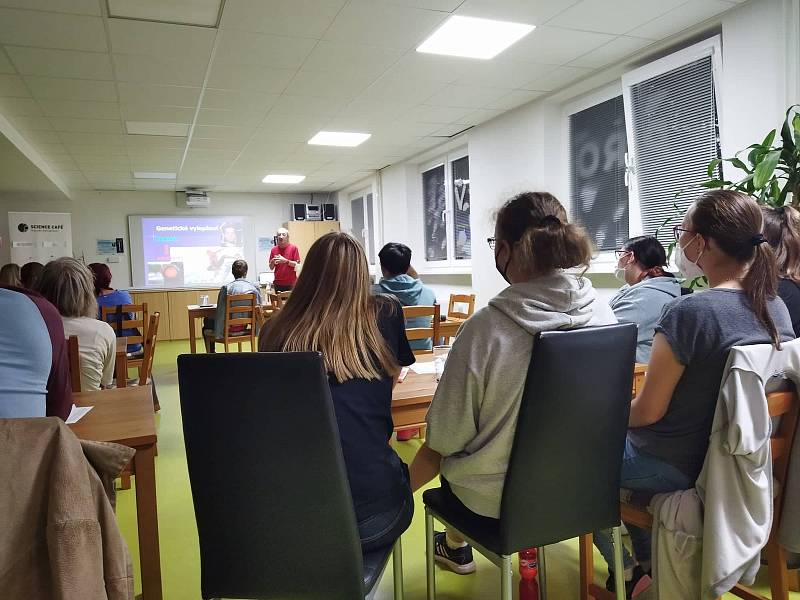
(438,367)
(528,573)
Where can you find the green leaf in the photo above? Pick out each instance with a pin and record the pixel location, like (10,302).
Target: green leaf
(767,143)
(712,184)
(713,165)
(766,168)
(739,164)
(786,130)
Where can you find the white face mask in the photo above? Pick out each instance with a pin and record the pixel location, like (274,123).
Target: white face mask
(691,270)
(619,273)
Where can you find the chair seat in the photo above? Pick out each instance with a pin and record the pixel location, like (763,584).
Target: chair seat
(374,563)
(484,530)
(134,355)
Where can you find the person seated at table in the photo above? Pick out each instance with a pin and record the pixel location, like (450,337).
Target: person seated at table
(34,365)
(68,284)
(10,275)
(214,328)
(29,274)
(648,287)
(782,230)
(670,420)
(363,342)
(108,296)
(401,281)
(472,418)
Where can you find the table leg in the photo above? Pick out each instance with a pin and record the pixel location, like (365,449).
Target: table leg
(147,519)
(192,340)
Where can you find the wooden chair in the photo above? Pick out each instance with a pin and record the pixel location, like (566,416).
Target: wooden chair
(468,299)
(117,317)
(422,333)
(74,355)
(784,404)
(241,315)
(279,299)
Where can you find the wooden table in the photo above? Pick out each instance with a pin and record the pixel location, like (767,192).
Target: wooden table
(125,416)
(198,312)
(411,399)
(449,327)
(121,362)
(639,372)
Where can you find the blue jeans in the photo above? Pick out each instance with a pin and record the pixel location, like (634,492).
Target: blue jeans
(382,529)
(641,472)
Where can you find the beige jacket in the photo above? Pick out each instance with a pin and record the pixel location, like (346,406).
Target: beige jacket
(58,534)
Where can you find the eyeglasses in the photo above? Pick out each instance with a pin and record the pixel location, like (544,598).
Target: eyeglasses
(491,241)
(620,253)
(678,231)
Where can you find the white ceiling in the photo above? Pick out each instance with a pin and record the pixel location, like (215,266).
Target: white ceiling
(275,72)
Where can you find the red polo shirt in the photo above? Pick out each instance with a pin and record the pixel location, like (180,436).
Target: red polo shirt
(284,273)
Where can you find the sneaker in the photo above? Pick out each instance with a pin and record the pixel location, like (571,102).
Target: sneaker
(457,560)
(638,583)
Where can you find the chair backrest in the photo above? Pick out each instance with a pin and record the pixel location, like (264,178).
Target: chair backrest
(240,318)
(264,502)
(564,471)
(279,299)
(422,333)
(74,356)
(146,370)
(117,317)
(786,405)
(468,299)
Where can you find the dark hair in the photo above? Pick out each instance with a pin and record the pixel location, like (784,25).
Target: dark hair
(239,268)
(649,253)
(29,274)
(734,221)
(102,277)
(536,224)
(395,258)
(782,230)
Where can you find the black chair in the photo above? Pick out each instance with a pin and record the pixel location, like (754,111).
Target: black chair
(564,470)
(271,498)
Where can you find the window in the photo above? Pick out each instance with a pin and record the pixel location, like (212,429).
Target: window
(446,212)
(362,210)
(673,132)
(598,190)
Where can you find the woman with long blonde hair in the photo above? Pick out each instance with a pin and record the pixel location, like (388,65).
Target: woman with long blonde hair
(363,343)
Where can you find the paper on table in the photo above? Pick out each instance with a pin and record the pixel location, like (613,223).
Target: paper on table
(424,368)
(77,413)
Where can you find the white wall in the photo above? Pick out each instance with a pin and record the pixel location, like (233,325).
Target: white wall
(104,215)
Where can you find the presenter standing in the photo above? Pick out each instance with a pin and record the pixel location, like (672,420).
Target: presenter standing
(284,259)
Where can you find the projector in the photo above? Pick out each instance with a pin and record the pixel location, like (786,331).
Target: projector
(193,199)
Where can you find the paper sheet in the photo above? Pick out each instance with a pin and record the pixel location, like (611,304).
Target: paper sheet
(424,368)
(77,413)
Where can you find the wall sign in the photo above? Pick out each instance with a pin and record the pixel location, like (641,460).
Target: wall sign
(39,236)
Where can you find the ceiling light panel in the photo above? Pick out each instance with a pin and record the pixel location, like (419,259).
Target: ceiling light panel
(339,138)
(471,37)
(157,128)
(205,13)
(153,175)
(273,178)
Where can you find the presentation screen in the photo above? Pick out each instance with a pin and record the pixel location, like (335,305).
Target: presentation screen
(187,251)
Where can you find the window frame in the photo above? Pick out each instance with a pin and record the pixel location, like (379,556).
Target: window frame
(451,264)
(364,193)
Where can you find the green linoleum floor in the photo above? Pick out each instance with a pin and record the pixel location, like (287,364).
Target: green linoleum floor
(180,559)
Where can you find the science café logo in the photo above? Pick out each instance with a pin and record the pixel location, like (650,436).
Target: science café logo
(23,227)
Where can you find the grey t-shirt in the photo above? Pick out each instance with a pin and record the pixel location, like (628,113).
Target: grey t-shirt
(701,328)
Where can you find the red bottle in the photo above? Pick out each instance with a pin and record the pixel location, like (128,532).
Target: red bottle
(529,575)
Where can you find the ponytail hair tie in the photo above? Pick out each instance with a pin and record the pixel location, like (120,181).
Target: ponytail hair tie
(550,220)
(758,239)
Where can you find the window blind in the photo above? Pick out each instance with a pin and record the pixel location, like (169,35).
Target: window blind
(433,203)
(676,135)
(598,194)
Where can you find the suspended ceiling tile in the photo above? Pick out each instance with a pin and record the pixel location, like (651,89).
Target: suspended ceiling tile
(514,99)
(239,101)
(30,123)
(305,18)
(21,107)
(194,12)
(558,78)
(307,106)
(13,85)
(180,42)
(620,17)
(351,56)
(77,7)
(554,45)
(218,132)
(60,63)
(52,30)
(215,144)
(164,69)
(80,109)
(86,125)
(167,95)
(614,51)
(329,84)
(520,11)
(424,113)
(72,89)
(678,19)
(231,118)
(156,114)
(5,64)
(504,74)
(468,96)
(279,52)
(250,78)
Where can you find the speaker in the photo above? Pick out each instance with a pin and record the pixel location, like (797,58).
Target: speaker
(298,212)
(329,212)
(313,212)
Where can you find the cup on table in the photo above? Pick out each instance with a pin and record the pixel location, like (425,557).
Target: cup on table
(440,358)
(204,300)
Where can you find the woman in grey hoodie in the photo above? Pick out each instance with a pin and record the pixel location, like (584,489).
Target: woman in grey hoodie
(473,415)
(648,287)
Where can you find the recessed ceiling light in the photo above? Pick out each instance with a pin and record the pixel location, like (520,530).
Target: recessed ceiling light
(474,38)
(196,12)
(283,178)
(157,128)
(339,138)
(153,175)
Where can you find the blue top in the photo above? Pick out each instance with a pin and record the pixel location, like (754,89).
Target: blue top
(116,298)
(410,292)
(26,355)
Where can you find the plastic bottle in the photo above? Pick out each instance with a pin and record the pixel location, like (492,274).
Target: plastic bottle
(529,575)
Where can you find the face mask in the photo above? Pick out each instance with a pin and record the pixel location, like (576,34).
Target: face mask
(619,273)
(691,270)
(502,270)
